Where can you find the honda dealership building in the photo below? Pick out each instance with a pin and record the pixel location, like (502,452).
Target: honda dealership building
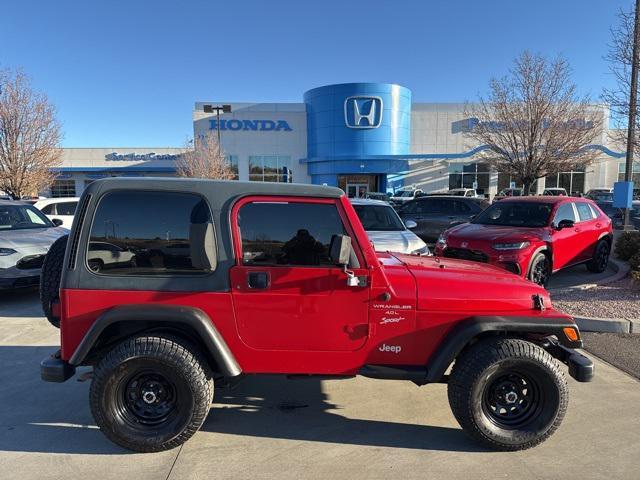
(358,136)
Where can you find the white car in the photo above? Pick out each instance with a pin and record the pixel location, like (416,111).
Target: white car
(405,194)
(25,238)
(386,230)
(60,208)
(463,192)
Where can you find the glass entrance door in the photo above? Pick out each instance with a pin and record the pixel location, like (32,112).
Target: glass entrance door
(357,190)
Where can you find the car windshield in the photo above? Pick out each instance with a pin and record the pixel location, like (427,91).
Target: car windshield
(516,214)
(379,218)
(21,217)
(405,193)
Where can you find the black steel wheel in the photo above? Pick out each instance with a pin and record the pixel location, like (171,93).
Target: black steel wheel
(507,393)
(600,259)
(540,269)
(151,393)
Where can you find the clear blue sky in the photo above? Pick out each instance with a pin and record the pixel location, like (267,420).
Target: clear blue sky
(127,73)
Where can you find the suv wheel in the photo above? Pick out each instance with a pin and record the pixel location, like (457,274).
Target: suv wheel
(508,394)
(600,259)
(50,278)
(540,269)
(151,393)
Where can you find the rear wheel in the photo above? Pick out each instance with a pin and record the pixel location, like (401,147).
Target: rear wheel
(600,259)
(540,269)
(50,278)
(508,394)
(151,393)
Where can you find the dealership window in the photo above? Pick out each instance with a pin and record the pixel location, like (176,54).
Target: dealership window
(63,188)
(233,163)
(128,237)
(572,182)
(300,236)
(465,175)
(504,181)
(270,168)
(635,173)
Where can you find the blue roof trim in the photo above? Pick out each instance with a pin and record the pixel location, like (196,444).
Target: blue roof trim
(434,156)
(114,169)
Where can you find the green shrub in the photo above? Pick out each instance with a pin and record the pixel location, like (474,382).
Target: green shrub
(628,245)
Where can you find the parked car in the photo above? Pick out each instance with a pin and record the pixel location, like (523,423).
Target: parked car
(555,192)
(25,237)
(315,300)
(434,214)
(59,208)
(405,195)
(105,253)
(386,230)
(508,192)
(385,197)
(600,194)
(617,215)
(463,192)
(534,236)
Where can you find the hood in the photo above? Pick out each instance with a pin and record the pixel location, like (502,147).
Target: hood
(449,285)
(31,237)
(402,241)
(494,233)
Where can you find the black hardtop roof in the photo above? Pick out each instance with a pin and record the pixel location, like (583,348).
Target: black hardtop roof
(221,190)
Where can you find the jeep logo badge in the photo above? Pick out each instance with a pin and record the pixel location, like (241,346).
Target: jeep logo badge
(363,112)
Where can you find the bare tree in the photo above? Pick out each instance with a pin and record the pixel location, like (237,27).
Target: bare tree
(620,59)
(533,122)
(205,159)
(29,136)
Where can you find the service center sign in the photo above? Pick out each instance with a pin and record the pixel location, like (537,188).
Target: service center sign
(251,125)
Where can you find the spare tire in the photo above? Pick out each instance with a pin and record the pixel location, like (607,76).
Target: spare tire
(50,278)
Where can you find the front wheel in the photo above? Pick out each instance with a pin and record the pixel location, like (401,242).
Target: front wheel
(151,393)
(508,394)
(540,269)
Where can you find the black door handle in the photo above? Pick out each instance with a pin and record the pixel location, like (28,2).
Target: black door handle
(258,280)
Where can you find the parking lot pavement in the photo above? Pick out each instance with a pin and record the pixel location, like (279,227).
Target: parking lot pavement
(578,275)
(270,427)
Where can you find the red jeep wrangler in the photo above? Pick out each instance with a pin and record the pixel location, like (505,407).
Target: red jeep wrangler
(171,285)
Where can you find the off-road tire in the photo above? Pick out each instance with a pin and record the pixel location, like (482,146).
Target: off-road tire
(187,376)
(50,278)
(472,381)
(539,260)
(600,259)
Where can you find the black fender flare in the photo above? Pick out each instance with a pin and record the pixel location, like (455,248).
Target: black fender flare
(541,248)
(195,318)
(465,331)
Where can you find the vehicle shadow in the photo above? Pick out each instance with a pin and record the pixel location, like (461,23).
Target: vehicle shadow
(298,409)
(55,418)
(20,303)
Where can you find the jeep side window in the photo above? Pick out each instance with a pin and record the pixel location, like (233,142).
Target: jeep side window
(145,233)
(288,233)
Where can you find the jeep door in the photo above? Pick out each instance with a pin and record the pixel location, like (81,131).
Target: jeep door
(287,295)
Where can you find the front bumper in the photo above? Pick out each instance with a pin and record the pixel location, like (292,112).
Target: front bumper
(581,368)
(54,369)
(514,262)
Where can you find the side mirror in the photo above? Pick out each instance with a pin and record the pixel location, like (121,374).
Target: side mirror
(565,224)
(410,224)
(340,249)
(57,222)
(202,244)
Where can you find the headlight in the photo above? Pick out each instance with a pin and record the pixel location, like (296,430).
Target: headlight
(510,246)
(6,251)
(421,251)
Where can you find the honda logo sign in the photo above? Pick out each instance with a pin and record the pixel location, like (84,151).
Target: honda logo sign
(363,112)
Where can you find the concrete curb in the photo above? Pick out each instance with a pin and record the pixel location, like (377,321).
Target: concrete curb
(607,325)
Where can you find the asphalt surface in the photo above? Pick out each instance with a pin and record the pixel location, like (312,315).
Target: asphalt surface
(619,349)
(271,427)
(578,275)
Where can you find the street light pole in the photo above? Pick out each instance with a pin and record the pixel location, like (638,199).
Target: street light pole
(633,106)
(218,108)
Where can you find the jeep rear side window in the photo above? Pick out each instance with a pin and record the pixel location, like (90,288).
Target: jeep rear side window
(145,233)
(288,233)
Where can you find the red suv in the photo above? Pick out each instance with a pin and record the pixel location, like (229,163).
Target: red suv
(533,236)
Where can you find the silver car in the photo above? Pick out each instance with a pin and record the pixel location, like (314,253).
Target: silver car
(386,230)
(25,237)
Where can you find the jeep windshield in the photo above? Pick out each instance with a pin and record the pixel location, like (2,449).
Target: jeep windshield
(516,214)
(379,218)
(22,217)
